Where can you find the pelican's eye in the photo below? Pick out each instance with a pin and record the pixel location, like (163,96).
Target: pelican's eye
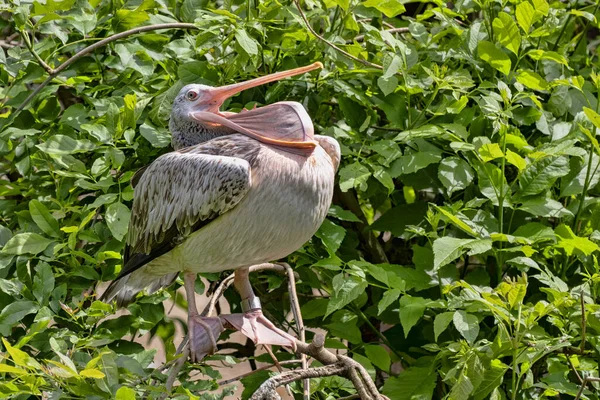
(191,95)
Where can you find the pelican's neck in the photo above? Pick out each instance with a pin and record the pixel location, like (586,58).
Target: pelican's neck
(187,133)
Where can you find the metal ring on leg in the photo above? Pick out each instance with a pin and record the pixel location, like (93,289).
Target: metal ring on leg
(252,303)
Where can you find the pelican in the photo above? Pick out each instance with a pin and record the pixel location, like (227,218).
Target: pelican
(240,189)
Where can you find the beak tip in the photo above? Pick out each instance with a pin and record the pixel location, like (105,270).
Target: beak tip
(318,64)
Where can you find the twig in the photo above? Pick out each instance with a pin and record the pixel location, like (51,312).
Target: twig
(237,378)
(583,323)
(295,306)
(360,38)
(584,385)
(29,45)
(93,47)
(333,46)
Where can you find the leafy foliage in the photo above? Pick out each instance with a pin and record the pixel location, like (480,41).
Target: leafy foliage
(466,221)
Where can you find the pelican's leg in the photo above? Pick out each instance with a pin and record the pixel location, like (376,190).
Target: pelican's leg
(203,332)
(252,323)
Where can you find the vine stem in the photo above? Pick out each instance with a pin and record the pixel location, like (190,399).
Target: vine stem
(328,43)
(53,73)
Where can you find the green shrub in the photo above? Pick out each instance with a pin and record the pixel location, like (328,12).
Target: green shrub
(466,222)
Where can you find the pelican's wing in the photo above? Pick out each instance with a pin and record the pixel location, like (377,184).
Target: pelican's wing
(286,120)
(176,195)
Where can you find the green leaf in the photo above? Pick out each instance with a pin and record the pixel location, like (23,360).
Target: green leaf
(492,55)
(447,249)
(507,32)
(411,311)
(441,322)
(399,218)
(455,174)
(96,374)
(125,393)
(61,144)
(128,19)
(525,15)
(346,289)
(248,44)
(341,214)
(14,313)
(354,175)
(490,151)
(412,384)
(157,137)
(492,378)
(532,80)
(388,298)
(379,356)
(572,243)
(43,219)
(331,235)
(467,325)
(541,175)
(117,219)
(593,116)
(26,243)
(390,8)
(516,160)
(43,283)
(492,183)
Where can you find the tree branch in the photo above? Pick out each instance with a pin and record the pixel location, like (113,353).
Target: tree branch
(333,46)
(91,48)
(29,45)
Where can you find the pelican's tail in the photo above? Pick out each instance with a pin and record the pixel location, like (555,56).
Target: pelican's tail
(124,289)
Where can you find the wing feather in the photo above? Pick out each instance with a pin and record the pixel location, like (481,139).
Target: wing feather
(177,194)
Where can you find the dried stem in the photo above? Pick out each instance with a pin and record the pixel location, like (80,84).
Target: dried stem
(360,38)
(328,43)
(237,378)
(54,72)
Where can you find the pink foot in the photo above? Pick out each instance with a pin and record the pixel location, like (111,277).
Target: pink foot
(203,334)
(254,325)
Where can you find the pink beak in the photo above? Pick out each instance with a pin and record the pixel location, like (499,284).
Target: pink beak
(220,94)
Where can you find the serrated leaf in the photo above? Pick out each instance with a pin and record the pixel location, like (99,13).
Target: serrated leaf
(379,356)
(353,175)
(247,43)
(26,243)
(507,32)
(541,175)
(532,80)
(525,15)
(467,325)
(388,298)
(390,8)
(441,322)
(411,311)
(43,219)
(516,160)
(495,57)
(413,383)
(455,174)
(346,289)
(117,218)
(332,235)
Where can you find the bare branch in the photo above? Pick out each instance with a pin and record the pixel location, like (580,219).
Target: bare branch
(93,47)
(328,43)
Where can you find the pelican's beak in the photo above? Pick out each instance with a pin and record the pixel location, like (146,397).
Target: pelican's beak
(218,95)
(281,124)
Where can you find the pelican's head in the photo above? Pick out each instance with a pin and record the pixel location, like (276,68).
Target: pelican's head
(196,98)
